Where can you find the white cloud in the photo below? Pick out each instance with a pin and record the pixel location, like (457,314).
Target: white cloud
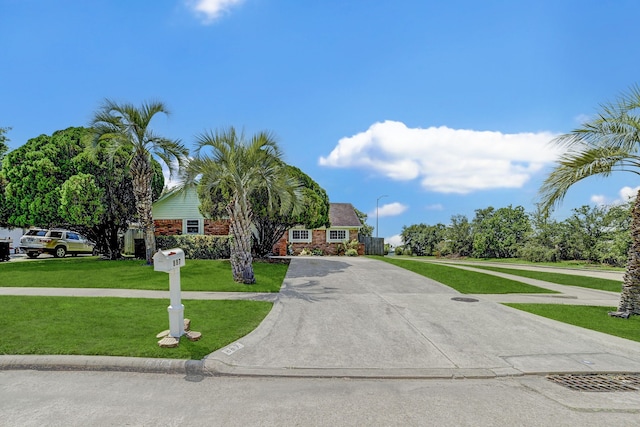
(582,119)
(394,241)
(389,209)
(446,160)
(627,193)
(434,207)
(624,195)
(210,10)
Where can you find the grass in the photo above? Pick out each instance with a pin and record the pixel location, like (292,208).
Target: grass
(120,326)
(92,272)
(559,278)
(589,317)
(576,264)
(581,264)
(464,281)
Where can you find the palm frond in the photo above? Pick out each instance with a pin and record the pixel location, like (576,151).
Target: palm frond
(575,166)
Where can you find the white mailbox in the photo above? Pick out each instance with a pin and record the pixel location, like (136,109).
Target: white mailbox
(168,260)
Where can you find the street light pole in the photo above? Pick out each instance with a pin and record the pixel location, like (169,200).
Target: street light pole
(377,200)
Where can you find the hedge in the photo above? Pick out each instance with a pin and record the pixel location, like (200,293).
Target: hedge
(197,246)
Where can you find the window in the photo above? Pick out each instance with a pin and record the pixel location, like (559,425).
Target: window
(300,236)
(337,235)
(193,226)
(72,236)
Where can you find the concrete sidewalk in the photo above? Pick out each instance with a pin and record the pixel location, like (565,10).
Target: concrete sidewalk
(569,295)
(363,318)
(358,317)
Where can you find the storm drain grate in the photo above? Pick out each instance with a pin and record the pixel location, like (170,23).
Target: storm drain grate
(464,299)
(598,382)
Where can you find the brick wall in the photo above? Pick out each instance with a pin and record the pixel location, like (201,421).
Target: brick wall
(168,227)
(319,241)
(216,228)
(280,248)
(171,227)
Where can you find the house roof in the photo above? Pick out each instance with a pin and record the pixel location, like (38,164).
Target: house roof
(343,215)
(174,191)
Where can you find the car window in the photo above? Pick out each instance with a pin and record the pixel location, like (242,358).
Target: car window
(55,234)
(72,236)
(41,233)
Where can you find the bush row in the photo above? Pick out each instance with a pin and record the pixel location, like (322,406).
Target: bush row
(197,246)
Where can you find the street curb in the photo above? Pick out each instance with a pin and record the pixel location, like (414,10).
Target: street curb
(101,363)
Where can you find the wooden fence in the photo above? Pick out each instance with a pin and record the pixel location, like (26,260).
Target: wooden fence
(372,245)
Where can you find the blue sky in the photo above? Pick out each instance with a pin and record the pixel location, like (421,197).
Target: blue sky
(427,109)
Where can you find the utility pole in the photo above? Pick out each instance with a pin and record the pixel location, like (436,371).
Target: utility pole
(377,200)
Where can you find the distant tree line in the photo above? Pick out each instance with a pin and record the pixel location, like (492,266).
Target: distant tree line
(598,234)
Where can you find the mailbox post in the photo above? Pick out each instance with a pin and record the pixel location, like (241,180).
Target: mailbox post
(170,261)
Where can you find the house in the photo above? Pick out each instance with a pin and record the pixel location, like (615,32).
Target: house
(177,212)
(345,226)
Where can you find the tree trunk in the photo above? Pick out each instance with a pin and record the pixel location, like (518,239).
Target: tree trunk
(141,174)
(630,295)
(240,245)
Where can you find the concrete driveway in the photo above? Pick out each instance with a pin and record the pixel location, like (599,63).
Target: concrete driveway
(359,317)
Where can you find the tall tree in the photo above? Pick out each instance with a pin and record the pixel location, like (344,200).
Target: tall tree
(50,182)
(499,233)
(35,172)
(423,239)
(127,127)
(4,147)
(608,143)
(270,224)
(459,236)
(366,230)
(232,168)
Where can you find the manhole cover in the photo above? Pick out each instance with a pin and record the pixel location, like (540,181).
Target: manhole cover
(463,299)
(600,382)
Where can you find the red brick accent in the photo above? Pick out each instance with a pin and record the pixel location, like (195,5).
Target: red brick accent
(168,227)
(280,248)
(216,228)
(319,241)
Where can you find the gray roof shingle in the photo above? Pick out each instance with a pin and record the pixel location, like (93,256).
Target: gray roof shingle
(343,215)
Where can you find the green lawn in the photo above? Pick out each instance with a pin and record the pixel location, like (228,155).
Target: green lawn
(589,317)
(120,326)
(559,278)
(576,264)
(464,281)
(92,272)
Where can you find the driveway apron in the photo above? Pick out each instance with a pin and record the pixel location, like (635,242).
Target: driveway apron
(359,317)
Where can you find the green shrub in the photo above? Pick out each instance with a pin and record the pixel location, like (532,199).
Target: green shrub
(538,253)
(197,246)
(346,245)
(351,252)
(305,252)
(403,250)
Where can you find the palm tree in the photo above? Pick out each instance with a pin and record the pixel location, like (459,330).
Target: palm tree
(606,144)
(126,127)
(230,168)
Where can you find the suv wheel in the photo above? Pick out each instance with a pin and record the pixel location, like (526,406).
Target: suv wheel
(60,252)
